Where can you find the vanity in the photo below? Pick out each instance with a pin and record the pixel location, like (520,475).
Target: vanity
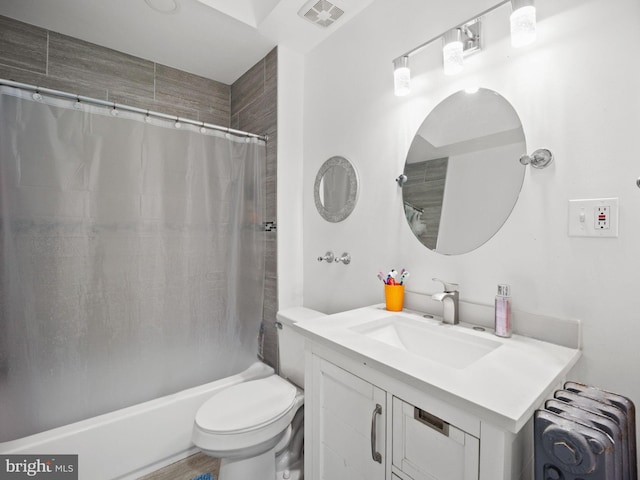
(403,396)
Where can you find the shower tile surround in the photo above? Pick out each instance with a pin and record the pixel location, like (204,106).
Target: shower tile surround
(36,56)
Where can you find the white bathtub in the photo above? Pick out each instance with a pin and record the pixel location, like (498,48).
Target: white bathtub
(133,441)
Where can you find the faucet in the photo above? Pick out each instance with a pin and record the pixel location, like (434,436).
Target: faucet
(449,299)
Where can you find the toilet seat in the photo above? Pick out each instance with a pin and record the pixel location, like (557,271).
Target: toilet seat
(247,406)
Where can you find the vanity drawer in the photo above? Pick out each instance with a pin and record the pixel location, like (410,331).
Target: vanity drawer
(428,448)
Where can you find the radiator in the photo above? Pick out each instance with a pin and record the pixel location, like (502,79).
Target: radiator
(585,433)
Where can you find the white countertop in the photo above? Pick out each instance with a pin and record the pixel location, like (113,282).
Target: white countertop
(504,387)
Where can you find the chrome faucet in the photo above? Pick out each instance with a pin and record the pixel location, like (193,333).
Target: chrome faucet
(449,299)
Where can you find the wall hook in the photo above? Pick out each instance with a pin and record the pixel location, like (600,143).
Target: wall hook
(401,180)
(541,158)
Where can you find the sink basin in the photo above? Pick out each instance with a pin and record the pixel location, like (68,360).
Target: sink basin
(440,343)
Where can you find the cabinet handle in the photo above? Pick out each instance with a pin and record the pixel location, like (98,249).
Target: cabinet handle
(431,421)
(377,457)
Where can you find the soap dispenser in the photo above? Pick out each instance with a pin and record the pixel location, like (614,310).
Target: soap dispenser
(503,311)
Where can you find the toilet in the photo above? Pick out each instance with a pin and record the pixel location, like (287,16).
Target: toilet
(256,427)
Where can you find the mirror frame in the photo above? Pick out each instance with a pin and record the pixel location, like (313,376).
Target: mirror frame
(350,204)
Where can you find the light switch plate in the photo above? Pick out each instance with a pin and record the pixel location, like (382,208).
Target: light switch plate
(597,217)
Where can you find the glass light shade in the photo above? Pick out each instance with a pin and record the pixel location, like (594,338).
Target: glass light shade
(402,81)
(401,77)
(523,26)
(452,57)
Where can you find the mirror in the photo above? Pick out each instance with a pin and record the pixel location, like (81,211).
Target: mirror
(463,172)
(336,189)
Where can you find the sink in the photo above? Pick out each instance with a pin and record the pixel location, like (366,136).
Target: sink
(444,344)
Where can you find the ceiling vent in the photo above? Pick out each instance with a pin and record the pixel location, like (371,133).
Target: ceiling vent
(322,13)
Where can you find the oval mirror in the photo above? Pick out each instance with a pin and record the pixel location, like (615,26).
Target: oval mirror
(463,172)
(336,189)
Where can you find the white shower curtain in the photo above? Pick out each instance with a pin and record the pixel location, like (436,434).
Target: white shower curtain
(131,259)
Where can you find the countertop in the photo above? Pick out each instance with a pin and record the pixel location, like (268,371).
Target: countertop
(504,387)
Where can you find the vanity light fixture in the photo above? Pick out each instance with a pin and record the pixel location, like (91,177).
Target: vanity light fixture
(464,39)
(523,23)
(452,50)
(458,43)
(401,76)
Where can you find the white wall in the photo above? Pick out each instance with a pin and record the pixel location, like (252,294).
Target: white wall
(290,189)
(576,92)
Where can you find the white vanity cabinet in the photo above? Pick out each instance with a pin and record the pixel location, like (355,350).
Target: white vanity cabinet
(346,439)
(377,408)
(347,425)
(358,426)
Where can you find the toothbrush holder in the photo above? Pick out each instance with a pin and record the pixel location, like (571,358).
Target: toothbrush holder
(394,297)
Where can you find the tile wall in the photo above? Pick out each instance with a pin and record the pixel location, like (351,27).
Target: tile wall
(36,56)
(254,105)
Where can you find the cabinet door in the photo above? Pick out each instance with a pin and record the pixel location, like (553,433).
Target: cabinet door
(428,448)
(348,426)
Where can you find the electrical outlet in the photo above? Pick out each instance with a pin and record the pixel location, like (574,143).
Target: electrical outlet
(601,218)
(593,217)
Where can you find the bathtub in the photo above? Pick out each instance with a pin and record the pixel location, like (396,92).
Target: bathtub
(134,441)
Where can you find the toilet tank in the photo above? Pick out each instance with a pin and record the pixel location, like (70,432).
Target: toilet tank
(291,344)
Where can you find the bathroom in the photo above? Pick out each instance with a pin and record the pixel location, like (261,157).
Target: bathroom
(571,91)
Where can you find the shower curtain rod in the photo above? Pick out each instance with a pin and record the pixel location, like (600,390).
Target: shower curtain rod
(119,106)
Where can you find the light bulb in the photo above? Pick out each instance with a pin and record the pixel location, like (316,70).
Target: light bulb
(523,26)
(401,76)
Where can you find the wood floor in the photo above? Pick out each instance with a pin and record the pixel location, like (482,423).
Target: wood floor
(186,469)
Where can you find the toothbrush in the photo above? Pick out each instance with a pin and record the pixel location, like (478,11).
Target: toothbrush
(403,277)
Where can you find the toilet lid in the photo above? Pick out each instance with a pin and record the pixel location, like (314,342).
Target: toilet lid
(247,406)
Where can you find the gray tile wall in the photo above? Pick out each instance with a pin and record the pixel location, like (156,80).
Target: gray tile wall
(33,55)
(39,57)
(425,189)
(254,103)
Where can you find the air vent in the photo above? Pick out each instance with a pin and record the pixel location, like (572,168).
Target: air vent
(322,13)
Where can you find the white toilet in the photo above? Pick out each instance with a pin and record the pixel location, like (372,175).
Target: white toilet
(249,424)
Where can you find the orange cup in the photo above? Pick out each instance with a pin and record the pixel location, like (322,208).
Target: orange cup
(394,297)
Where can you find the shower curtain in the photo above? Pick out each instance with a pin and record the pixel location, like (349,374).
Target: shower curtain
(131,259)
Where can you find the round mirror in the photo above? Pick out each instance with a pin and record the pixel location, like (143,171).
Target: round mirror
(463,173)
(336,189)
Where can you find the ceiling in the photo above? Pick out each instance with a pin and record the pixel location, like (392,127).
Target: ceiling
(217,39)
